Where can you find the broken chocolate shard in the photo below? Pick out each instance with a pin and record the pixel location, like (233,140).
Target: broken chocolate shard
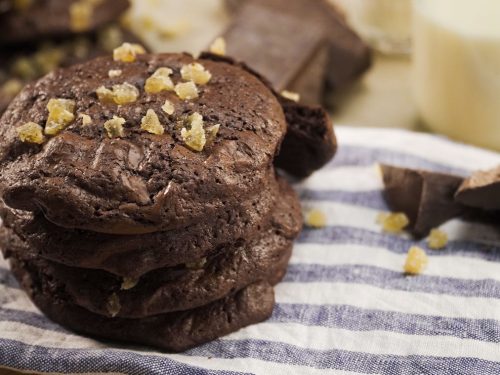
(427,198)
(264,34)
(481,190)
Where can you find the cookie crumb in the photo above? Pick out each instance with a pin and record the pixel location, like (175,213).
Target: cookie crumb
(61,114)
(113,305)
(121,94)
(194,137)
(12,87)
(151,123)
(316,219)
(86,119)
(128,52)
(114,127)
(196,72)
(291,95)
(186,90)
(437,239)
(159,81)
(416,261)
(393,222)
(218,47)
(113,73)
(197,265)
(168,107)
(31,132)
(129,283)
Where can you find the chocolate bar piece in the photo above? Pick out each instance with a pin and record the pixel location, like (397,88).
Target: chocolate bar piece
(310,140)
(481,190)
(427,198)
(286,40)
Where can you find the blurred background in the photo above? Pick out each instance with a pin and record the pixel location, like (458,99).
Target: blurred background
(426,65)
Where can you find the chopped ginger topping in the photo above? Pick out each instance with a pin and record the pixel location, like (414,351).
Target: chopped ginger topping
(25,68)
(315,219)
(291,95)
(12,87)
(124,93)
(159,81)
(113,305)
(195,137)
(81,13)
(31,133)
(437,239)
(168,107)
(218,47)
(129,283)
(416,261)
(113,73)
(151,123)
(186,90)
(86,119)
(114,127)
(61,114)
(128,52)
(393,222)
(195,72)
(110,37)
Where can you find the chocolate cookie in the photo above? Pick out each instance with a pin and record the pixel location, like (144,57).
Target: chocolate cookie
(38,19)
(134,167)
(22,64)
(176,331)
(187,286)
(170,289)
(310,141)
(134,255)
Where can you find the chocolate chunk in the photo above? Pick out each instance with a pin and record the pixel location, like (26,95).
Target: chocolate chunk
(481,190)
(264,34)
(310,140)
(427,198)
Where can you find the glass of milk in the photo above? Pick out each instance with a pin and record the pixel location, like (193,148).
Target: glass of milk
(385,24)
(456,46)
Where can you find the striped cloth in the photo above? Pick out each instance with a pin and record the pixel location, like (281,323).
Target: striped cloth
(344,307)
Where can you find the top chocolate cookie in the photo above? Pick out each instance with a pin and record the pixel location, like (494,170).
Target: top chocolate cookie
(138,143)
(30,20)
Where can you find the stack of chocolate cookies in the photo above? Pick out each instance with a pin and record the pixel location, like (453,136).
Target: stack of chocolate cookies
(37,36)
(140,197)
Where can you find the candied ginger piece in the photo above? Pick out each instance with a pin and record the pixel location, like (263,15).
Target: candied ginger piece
(159,81)
(196,72)
(31,132)
(151,123)
(416,261)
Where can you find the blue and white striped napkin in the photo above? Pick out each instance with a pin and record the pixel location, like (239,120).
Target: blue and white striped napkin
(344,307)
